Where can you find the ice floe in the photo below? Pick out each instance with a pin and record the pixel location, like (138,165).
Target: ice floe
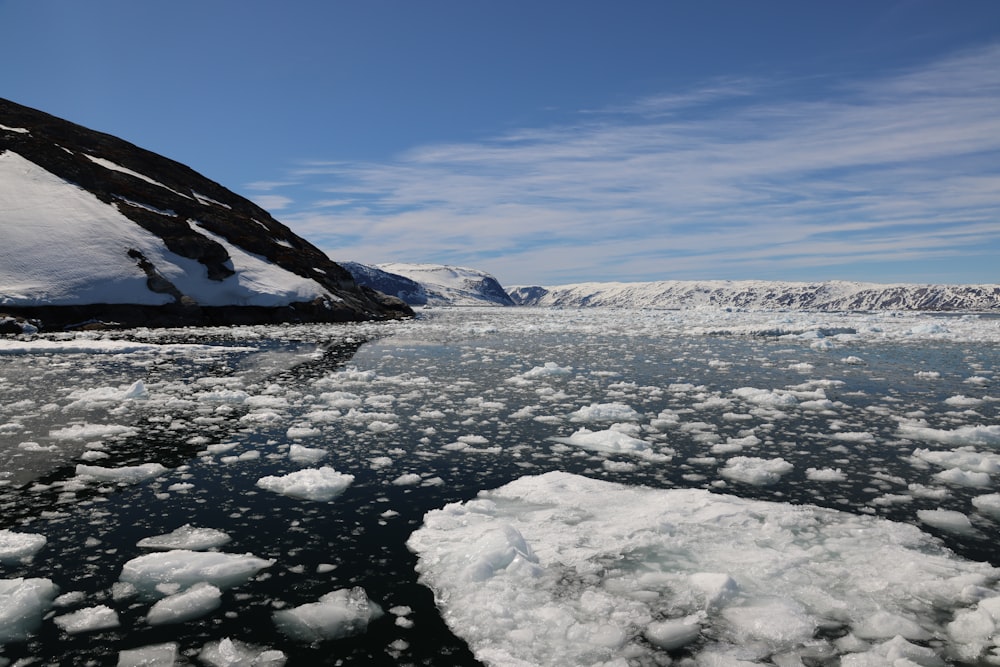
(342,613)
(319,484)
(229,652)
(755,470)
(123,474)
(16,546)
(153,574)
(186,537)
(200,599)
(90,619)
(613,441)
(571,570)
(23,602)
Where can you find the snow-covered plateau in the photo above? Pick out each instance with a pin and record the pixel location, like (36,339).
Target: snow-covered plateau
(828,296)
(506,487)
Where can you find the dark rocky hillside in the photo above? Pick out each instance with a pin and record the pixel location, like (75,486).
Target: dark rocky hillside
(175,203)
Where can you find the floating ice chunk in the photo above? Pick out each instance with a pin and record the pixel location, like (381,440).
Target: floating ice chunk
(251,455)
(853,361)
(825,474)
(221,447)
(90,619)
(715,587)
(233,653)
(963,435)
(612,441)
(408,479)
(963,401)
(618,466)
(897,652)
(341,399)
(23,602)
(16,546)
(224,396)
(319,484)
(886,625)
(964,459)
(98,397)
(124,474)
(380,426)
(69,599)
(185,568)
(949,520)
(975,630)
(988,504)
(186,537)
(960,477)
(91,431)
(779,622)
(765,397)
(549,369)
(818,405)
(379,462)
(195,602)
(605,412)
(670,635)
(137,390)
(342,613)
(154,655)
(863,437)
(755,471)
(301,454)
(610,562)
(302,432)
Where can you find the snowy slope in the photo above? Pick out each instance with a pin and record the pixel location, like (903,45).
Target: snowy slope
(443,285)
(90,261)
(87,219)
(763,295)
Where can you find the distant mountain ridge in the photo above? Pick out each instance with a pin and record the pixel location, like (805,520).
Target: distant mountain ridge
(763,295)
(93,227)
(432,284)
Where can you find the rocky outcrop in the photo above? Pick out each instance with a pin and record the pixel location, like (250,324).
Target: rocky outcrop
(409,291)
(194,217)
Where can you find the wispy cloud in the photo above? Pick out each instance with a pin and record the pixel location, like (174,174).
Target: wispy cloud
(726,181)
(271,202)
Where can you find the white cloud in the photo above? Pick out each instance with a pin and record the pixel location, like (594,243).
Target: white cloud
(271,202)
(903,168)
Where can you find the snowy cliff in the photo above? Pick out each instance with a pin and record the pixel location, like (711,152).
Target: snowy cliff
(93,227)
(764,295)
(432,284)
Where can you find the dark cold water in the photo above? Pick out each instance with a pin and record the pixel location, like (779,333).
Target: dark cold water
(434,411)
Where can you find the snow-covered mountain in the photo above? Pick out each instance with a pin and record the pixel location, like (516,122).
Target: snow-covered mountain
(410,291)
(93,227)
(764,295)
(432,284)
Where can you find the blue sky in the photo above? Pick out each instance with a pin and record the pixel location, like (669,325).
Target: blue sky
(557,142)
